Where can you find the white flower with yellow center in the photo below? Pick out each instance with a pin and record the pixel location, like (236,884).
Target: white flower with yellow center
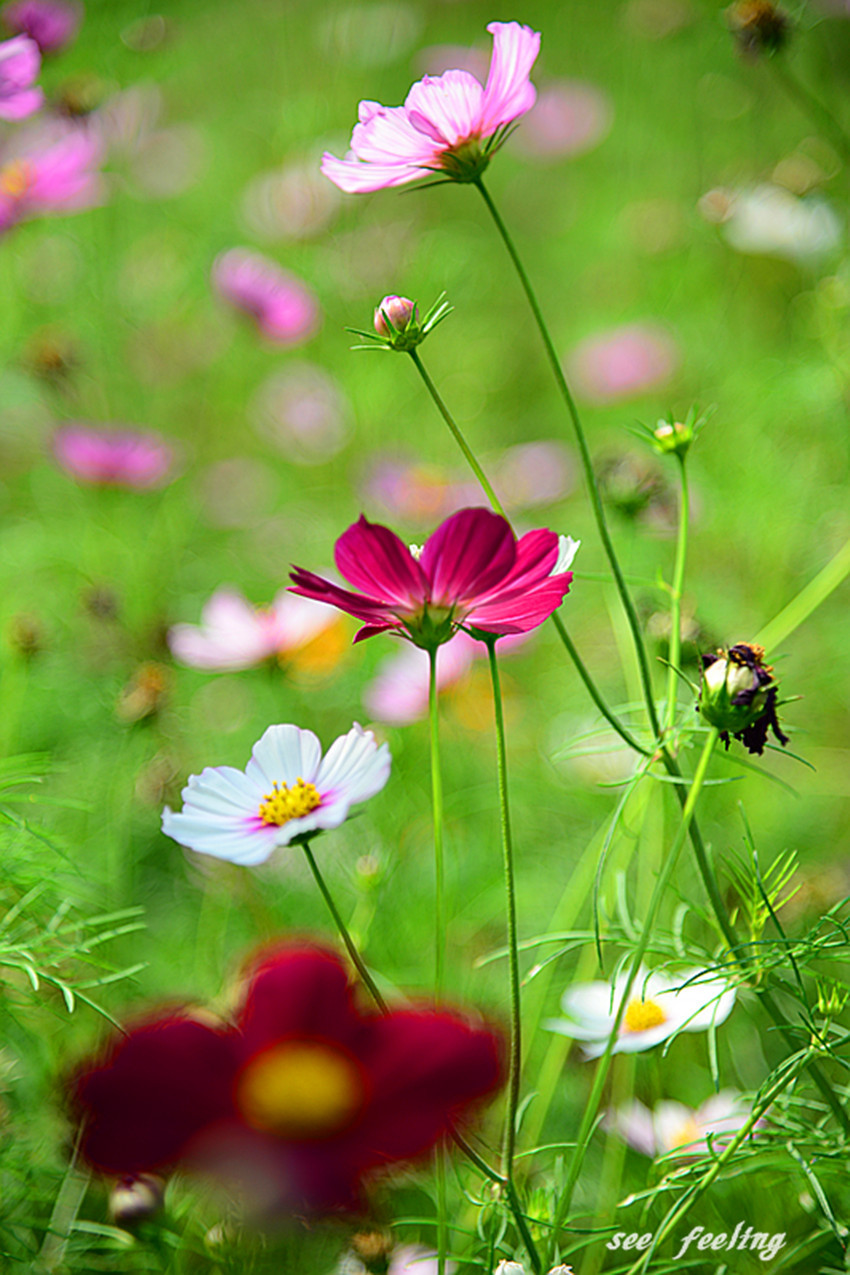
(658,1006)
(287,790)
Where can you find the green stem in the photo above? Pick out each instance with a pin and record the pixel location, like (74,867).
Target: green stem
(567,641)
(807,600)
(437,806)
(510,907)
(350,945)
(458,435)
(587,464)
(588,1122)
(675,649)
(810,105)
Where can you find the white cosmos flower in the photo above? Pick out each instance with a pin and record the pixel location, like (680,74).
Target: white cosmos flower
(659,1005)
(672,1128)
(286,790)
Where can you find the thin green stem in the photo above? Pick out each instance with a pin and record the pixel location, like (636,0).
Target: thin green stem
(471,458)
(510,907)
(807,600)
(437,806)
(567,641)
(675,648)
(588,1121)
(584,452)
(350,946)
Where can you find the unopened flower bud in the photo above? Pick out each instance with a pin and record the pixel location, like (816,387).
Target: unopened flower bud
(133,1199)
(759,26)
(394,315)
(673,438)
(738,696)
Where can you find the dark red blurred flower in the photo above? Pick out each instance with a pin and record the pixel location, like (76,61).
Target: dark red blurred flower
(297,1100)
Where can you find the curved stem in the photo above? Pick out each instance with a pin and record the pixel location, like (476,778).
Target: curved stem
(588,1122)
(510,907)
(437,806)
(458,435)
(584,452)
(675,648)
(350,946)
(567,641)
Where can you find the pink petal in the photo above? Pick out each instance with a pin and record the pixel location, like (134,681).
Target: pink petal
(387,135)
(371,610)
(508,92)
(356,178)
(467,556)
(372,558)
(446,107)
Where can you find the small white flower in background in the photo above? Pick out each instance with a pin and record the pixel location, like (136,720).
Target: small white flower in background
(770,221)
(287,790)
(234,635)
(672,1128)
(407,1259)
(659,1005)
(517,1268)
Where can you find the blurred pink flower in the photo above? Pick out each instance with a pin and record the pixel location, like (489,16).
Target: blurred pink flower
(568,118)
(671,1128)
(233,634)
(524,476)
(20,63)
(399,692)
(292,203)
(283,308)
(443,123)
(51,23)
(303,411)
(623,362)
(113,457)
(46,170)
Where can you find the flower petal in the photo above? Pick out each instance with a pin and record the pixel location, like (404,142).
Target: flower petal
(508,92)
(446,108)
(467,556)
(354,767)
(283,755)
(374,559)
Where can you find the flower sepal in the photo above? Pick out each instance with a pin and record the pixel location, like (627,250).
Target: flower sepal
(674,438)
(398,326)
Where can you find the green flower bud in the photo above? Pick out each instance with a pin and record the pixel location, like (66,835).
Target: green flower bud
(738,696)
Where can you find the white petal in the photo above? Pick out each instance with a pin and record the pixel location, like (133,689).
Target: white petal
(354,768)
(284,755)
(567,550)
(238,841)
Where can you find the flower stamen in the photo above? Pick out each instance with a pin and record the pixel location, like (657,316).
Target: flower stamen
(284,803)
(300,1089)
(16,177)
(640,1016)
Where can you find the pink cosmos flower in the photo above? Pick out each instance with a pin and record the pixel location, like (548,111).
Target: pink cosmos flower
(235,635)
(283,308)
(673,1129)
(113,458)
(471,571)
(623,362)
(47,171)
(449,124)
(51,23)
(399,692)
(568,118)
(20,63)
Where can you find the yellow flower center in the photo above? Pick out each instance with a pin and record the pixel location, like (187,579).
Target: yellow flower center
(283,803)
(689,1132)
(300,1089)
(641,1015)
(16,177)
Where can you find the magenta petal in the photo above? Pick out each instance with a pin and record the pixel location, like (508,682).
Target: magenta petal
(309,585)
(467,556)
(536,555)
(375,560)
(521,608)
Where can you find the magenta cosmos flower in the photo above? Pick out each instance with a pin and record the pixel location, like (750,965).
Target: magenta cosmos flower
(113,457)
(294,1101)
(51,23)
(471,571)
(448,125)
(283,308)
(48,171)
(20,63)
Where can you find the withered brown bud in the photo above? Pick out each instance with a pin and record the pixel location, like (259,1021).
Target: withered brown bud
(759,26)
(374,1249)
